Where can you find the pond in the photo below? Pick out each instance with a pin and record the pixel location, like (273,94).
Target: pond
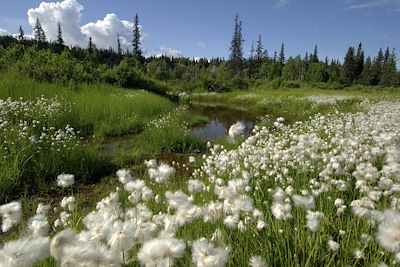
(219,120)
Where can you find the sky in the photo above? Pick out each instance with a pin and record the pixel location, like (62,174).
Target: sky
(204,28)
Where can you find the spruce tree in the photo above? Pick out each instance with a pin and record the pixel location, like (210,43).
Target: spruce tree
(359,61)
(389,76)
(260,51)
(119,45)
(90,46)
(282,55)
(39,34)
(377,68)
(21,34)
(136,50)
(314,56)
(348,73)
(366,77)
(236,56)
(60,40)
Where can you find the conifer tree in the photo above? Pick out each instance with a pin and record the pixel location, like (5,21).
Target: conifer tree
(21,34)
(359,61)
(60,40)
(90,46)
(236,56)
(314,56)
(282,55)
(39,34)
(260,51)
(348,74)
(389,76)
(136,50)
(366,77)
(119,45)
(377,68)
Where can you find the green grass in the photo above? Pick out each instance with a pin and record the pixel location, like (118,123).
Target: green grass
(94,111)
(102,110)
(291,103)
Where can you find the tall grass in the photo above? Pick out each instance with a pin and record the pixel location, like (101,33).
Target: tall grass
(27,163)
(95,109)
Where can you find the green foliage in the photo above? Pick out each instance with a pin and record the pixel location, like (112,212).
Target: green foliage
(317,73)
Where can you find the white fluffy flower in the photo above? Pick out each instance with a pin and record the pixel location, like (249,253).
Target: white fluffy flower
(12,215)
(121,235)
(24,252)
(204,254)
(124,176)
(65,180)
(313,220)
(257,261)
(281,211)
(304,202)
(388,235)
(332,245)
(161,252)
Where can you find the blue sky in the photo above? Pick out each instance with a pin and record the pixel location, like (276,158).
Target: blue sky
(204,28)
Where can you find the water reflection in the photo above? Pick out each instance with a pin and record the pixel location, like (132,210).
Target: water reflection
(219,121)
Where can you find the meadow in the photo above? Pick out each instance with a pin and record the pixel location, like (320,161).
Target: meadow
(315,184)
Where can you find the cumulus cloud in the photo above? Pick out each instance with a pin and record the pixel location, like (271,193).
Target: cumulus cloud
(4,32)
(69,12)
(103,32)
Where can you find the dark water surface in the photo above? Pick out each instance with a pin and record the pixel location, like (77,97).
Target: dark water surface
(219,120)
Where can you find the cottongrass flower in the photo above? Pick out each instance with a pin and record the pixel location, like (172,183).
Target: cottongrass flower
(38,225)
(257,261)
(121,235)
(65,180)
(24,252)
(358,254)
(313,220)
(388,235)
(333,246)
(192,159)
(161,252)
(43,209)
(304,202)
(60,241)
(236,129)
(11,214)
(205,254)
(282,211)
(124,176)
(195,185)
(68,203)
(161,174)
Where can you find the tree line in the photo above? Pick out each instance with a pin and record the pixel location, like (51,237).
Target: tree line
(53,61)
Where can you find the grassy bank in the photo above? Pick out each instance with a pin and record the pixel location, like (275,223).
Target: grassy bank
(293,104)
(49,129)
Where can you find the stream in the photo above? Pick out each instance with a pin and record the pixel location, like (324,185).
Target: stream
(219,121)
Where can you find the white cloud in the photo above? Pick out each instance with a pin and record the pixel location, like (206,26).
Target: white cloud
(363,4)
(69,12)
(4,32)
(201,44)
(281,3)
(164,51)
(104,32)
